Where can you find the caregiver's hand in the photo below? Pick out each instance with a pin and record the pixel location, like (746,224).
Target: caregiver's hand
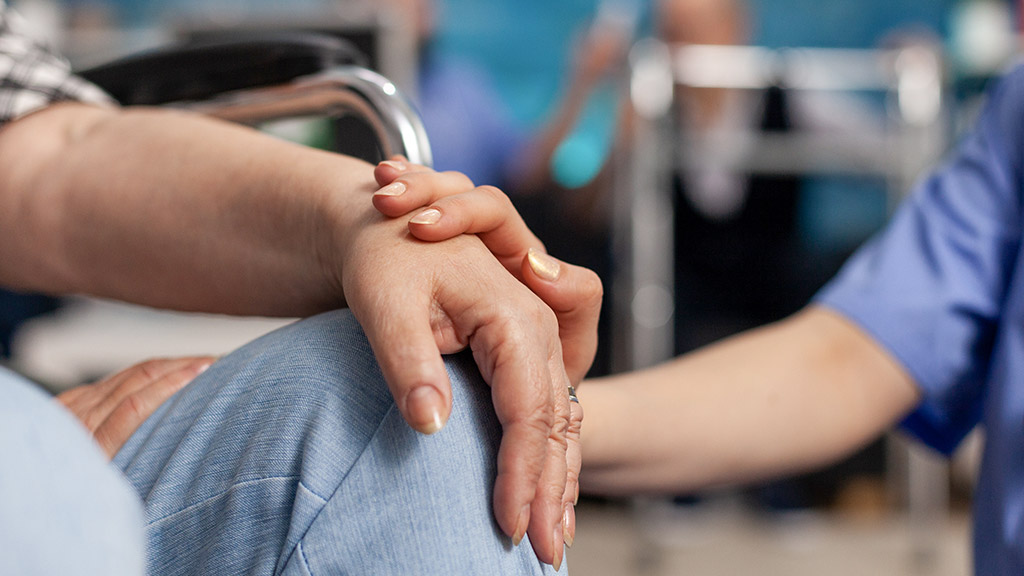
(113,408)
(455,207)
(573,293)
(418,300)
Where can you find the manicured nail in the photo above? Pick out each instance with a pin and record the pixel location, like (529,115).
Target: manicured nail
(576,500)
(569,525)
(543,265)
(393,189)
(203,367)
(521,524)
(396,164)
(423,406)
(559,548)
(428,216)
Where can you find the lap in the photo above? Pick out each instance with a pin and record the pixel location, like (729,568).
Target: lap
(63,508)
(289,456)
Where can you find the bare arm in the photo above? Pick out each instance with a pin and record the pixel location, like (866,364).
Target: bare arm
(176,210)
(772,401)
(777,400)
(79,181)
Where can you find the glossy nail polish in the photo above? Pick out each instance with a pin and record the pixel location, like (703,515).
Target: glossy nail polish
(543,265)
(393,189)
(428,216)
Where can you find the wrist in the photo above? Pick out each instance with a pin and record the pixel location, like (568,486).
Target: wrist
(344,216)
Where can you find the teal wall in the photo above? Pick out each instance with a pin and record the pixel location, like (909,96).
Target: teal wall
(526,43)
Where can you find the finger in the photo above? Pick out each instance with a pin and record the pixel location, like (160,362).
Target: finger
(110,392)
(548,510)
(410,360)
(418,187)
(135,408)
(69,397)
(517,367)
(573,460)
(574,294)
(486,212)
(385,172)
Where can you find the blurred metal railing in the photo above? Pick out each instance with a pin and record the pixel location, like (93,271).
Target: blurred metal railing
(911,81)
(339,92)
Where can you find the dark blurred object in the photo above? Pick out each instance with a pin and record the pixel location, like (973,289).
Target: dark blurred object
(16,308)
(741,270)
(202,69)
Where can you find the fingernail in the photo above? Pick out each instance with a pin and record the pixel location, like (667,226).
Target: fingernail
(203,367)
(428,216)
(521,524)
(423,406)
(543,265)
(393,189)
(396,164)
(576,500)
(569,525)
(559,548)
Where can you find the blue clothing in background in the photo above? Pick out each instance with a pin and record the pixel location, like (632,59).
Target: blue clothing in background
(942,288)
(468,123)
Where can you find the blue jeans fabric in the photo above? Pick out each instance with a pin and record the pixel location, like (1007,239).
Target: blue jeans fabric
(63,508)
(289,457)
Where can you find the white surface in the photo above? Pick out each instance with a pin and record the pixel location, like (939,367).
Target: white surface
(91,338)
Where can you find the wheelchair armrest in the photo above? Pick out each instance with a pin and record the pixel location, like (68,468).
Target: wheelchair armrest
(199,71)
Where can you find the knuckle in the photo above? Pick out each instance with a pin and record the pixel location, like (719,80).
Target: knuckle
(591,288)
(574,427)
(495,195)
(542,315)
(132,408)
(148,369)
(459,179)
(540,419)
(560,427)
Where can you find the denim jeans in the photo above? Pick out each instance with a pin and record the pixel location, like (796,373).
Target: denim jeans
(288,456)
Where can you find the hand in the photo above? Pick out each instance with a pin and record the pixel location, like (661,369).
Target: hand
(599,51)
(113,408)
(417,301)
(456,207)
(572,292)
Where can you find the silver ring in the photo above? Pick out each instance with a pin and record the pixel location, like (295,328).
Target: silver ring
(572,395)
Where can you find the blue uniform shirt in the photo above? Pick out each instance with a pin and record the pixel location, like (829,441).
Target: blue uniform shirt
(942,288)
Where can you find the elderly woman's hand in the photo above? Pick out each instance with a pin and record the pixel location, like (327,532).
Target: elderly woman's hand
(418,300)
(572,292)
(447,205)
(113,408)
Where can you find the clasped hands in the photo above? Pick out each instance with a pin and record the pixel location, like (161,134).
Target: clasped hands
(530,320)
(463,272)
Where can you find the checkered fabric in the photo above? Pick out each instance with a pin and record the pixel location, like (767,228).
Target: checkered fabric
(32,74)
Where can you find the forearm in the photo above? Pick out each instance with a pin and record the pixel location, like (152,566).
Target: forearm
(531,170)
(171,209)
(778,400)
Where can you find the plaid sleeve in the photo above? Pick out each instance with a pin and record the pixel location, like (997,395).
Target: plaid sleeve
(33,75)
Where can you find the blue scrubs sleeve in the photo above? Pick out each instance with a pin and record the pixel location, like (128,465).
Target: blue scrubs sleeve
(930,288)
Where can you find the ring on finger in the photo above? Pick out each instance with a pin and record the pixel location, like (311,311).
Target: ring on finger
(572,395)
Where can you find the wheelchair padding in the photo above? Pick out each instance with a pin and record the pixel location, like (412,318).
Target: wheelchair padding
(200,70)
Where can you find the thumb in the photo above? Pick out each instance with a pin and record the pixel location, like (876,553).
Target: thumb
(574,294)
